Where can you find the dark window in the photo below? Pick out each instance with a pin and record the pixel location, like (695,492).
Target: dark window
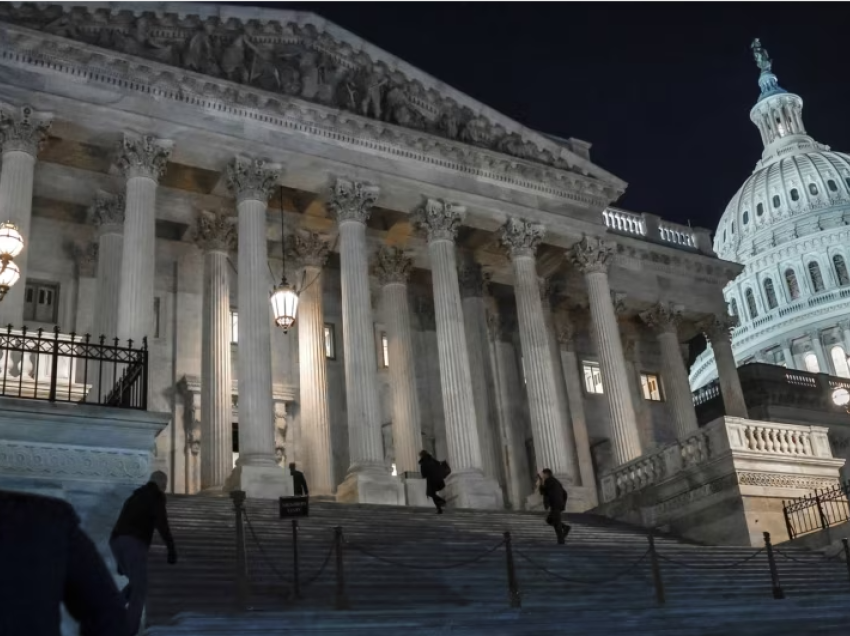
(815,275)
(733,307)
(776,200)
(41,302)
(793,286)
(751,304)
(847,181)
(724,235)
(733,227)
(813,189)
(831,185)
(770,294)
(156,317)
(746,218)
(234,436)
(759,209)
(795,194)
(840,269)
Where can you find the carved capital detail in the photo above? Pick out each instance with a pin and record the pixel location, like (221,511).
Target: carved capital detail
(392,266)
(718,327)
(107,212)
(663,317)
(308,249)
(520,237)
(353,200)
(618,300)
(439,219)
(23,130)
(591,255)
(215,232)
(252,179)
(143,156)
(86,257)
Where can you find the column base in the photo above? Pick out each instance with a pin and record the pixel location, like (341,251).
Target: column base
(474,490)
(260,482)
(371,487)
(414,491)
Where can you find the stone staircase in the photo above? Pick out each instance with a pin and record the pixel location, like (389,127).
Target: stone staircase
(396,577)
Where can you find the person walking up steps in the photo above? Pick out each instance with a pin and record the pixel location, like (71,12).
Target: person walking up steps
(554,501)
(131,539)
(299,482)
(434,473)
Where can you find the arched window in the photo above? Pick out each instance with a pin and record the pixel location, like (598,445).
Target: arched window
(847,181)
(776,200)
(732,227)
(746,218)
(795,194)
(813,189)
(733,307)
(810,360)
(770,294)
(839,361)
(815,275)
(831,185)
(759,209)
(840,270)
(791,281)
(751,303)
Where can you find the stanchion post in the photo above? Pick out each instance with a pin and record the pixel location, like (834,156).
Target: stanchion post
(656,571)
(846,546)
(341,596)
(513,583)
(774,573)
(238,497)
(296,577)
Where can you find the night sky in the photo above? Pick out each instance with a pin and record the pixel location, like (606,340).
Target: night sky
(662,91)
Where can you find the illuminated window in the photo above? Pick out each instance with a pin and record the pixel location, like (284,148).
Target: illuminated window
(810,361)
(592,377)
(813,189)
(770,294)
(793,286)
(840,270)
(330,342)
(234,327)
(815,275)
(651,387)
(751,303)
(385,351)
(839,361)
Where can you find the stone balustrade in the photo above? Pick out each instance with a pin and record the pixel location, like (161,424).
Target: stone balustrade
(624,221)
(652,228)
(25,373)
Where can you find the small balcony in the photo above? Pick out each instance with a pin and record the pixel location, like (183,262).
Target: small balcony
(652,228)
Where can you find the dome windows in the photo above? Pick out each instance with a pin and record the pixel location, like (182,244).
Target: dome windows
(751,303)
(759,209)
(795,194)
(770,294)
(816,277)
(813,189)
(833,187)
(733,307)
(746,217)
(841,270)
(792,284)
(776,200)
(847,181)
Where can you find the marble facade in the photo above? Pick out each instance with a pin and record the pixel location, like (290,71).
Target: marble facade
(340,144)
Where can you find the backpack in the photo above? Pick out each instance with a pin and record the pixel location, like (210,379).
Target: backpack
(446,469)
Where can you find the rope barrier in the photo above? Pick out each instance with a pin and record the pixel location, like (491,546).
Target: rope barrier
(628,570)
(269,562)
(425,567)
(710,567)
(321,568)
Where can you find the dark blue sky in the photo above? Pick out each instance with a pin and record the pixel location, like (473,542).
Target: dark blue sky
(663,91)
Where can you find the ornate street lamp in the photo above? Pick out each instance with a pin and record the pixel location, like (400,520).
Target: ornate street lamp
(284,298)
(841,397)
(11,244)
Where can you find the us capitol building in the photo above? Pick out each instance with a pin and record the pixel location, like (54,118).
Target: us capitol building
(464,283)
(788,226)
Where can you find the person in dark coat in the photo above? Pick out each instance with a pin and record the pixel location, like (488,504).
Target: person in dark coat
(46,560)
(432,472)
(554,501)
(299,482)
(131,539)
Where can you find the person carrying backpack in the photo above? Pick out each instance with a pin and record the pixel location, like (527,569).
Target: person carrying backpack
(434,473)
(554,501)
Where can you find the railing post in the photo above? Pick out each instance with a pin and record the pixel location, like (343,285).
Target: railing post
(296,581)
(656,570)
(145,360)
(774,573)
(54,365)
(788,526)
(341,597)
(846,547)
(238,497)
(513,583)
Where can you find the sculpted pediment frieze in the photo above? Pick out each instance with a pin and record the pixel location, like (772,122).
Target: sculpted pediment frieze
(299,60)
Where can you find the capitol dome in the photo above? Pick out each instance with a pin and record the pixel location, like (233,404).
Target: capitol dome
(789,225)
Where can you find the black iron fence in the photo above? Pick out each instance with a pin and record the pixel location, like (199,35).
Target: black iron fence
(820,510)
(61,367)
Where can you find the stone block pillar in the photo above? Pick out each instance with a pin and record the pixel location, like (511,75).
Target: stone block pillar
(107,214)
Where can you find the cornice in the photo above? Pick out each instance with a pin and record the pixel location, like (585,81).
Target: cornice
(83,62)
(647,257)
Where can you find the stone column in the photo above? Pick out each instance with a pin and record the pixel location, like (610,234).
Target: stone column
(787,352)
(664,319)
(817,347)
(471,281)
(520,239)
(142,161)
(107,214)
(86,257)
(592,257)
(21,134)
(845,334)
(310,252)
(467,485)
(215,234)
(717,330)
(575,398)
(256,472)
(369,479)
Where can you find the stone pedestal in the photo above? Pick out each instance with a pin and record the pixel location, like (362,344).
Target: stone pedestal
(414,491)
(260,482)
(371,487)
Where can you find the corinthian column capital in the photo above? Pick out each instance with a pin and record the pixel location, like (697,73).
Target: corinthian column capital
(392,266)
(252,179)
(520,237)
(23,129)
(107,211)
(143,156)
(353,200)
(591,255)
(663,317)
(309,249)
(215,232)
(439,219)
(717,327)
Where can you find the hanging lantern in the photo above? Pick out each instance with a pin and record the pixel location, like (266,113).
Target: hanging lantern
(11,241)
(284,305)
(9,275)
